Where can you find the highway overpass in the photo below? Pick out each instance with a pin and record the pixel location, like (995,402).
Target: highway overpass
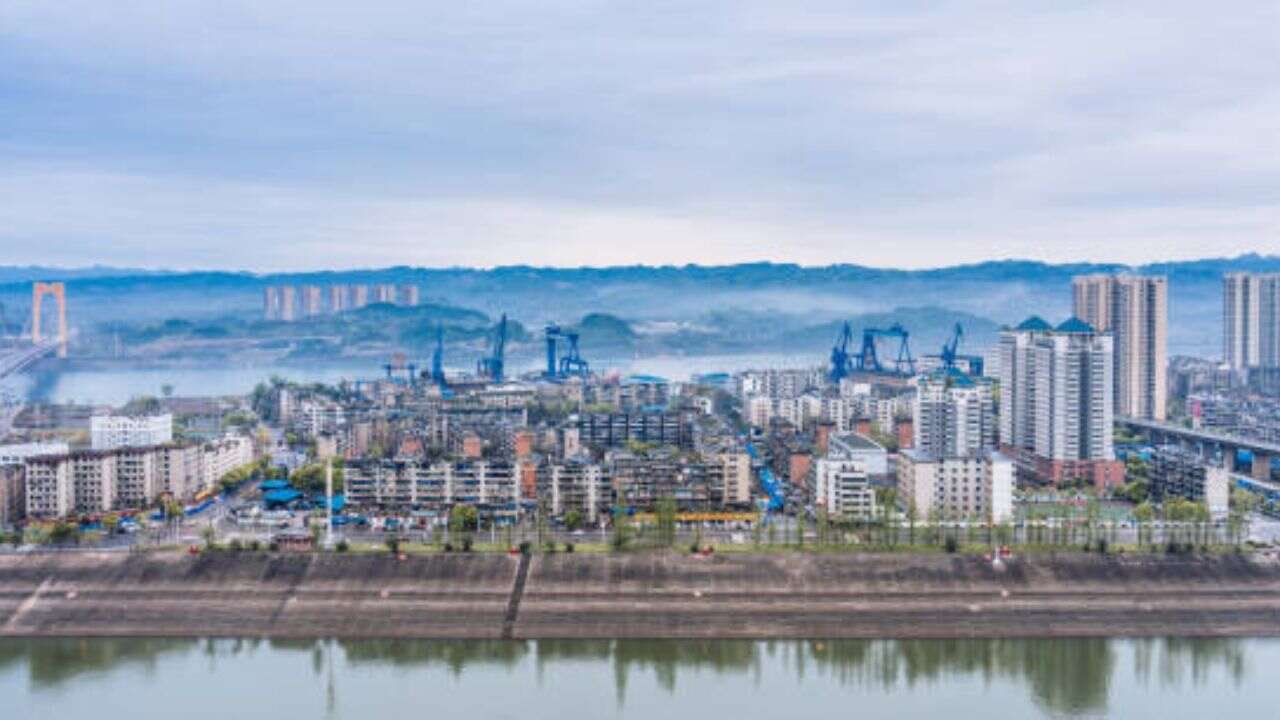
(1208,444)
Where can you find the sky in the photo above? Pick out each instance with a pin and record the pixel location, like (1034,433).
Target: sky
(296,135)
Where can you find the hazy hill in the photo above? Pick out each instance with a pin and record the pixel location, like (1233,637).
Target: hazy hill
(707,308)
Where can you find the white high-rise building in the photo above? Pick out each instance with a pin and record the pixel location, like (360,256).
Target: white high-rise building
(954,415)
(1135,309)
(1251,320)
(108,432)
(1056,401)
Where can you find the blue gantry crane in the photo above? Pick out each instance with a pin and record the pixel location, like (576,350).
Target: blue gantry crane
(841,366)
(949,356)
(490,366)
(868,358)
(571,364)
(869,361)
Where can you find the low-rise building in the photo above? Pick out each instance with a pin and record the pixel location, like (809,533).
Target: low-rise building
(493,488)
(1175,472)
(108,432)
(851,446)
(976,486)
(95,481)
(842,486)
(17,454)
(575,485)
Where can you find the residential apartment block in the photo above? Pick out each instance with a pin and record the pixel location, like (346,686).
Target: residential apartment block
(95,481)
(954,414)
(978,486)
(1057,402)
(108,432)
(1135,310)
(1251,320)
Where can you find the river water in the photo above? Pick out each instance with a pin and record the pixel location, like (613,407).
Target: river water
(143,679)
(117,385)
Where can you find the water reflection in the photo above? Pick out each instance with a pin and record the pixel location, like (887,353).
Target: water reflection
(1072,676)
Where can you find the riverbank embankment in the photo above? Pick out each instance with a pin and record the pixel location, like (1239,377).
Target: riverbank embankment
(654,595)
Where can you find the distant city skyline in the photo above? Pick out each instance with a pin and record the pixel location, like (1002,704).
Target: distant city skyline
(319,135)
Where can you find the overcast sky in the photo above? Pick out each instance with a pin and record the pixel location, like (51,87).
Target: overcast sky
(300,135)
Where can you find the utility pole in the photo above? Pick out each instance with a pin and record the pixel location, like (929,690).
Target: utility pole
(328,504)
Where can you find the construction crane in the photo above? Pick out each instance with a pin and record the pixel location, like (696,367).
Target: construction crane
(491,366)
(948,356)
(841,367)
(868,360)
(571,364)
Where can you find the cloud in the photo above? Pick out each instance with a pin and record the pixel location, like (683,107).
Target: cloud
(292,135)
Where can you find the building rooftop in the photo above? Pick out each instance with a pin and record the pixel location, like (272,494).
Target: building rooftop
(1035,322)
(853,442)
(1074,325)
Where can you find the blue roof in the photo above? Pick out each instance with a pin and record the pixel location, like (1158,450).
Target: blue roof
(280,497)
(1035,322)
(647,379)
(1074,325)
(273,485)
(339,501)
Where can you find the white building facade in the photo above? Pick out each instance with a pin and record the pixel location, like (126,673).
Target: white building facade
(108,432)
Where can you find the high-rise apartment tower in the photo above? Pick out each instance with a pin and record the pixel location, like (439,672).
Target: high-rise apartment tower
(1135,310)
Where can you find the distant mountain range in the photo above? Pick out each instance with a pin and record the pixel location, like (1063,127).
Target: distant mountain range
(996,270)
(778,306)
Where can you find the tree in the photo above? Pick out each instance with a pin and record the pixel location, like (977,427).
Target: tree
(310,478)
(621,535)
(63,531)
(573,519)
(463,518)
(209,535)
(665,510)
(110,523)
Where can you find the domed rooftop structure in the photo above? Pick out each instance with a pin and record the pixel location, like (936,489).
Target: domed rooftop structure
(1074,325)
(1035,323)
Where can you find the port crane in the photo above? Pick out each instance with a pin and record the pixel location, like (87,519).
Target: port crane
(868,358)
(949,356)
(841,366)
(869,361)
(491,366)
(571,364)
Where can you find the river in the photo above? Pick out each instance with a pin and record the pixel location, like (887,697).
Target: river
(993,679)
(116,385)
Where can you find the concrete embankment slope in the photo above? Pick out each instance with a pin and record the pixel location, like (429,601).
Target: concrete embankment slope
(634,595)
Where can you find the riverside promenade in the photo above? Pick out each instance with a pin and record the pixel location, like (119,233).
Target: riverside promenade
(654,595)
